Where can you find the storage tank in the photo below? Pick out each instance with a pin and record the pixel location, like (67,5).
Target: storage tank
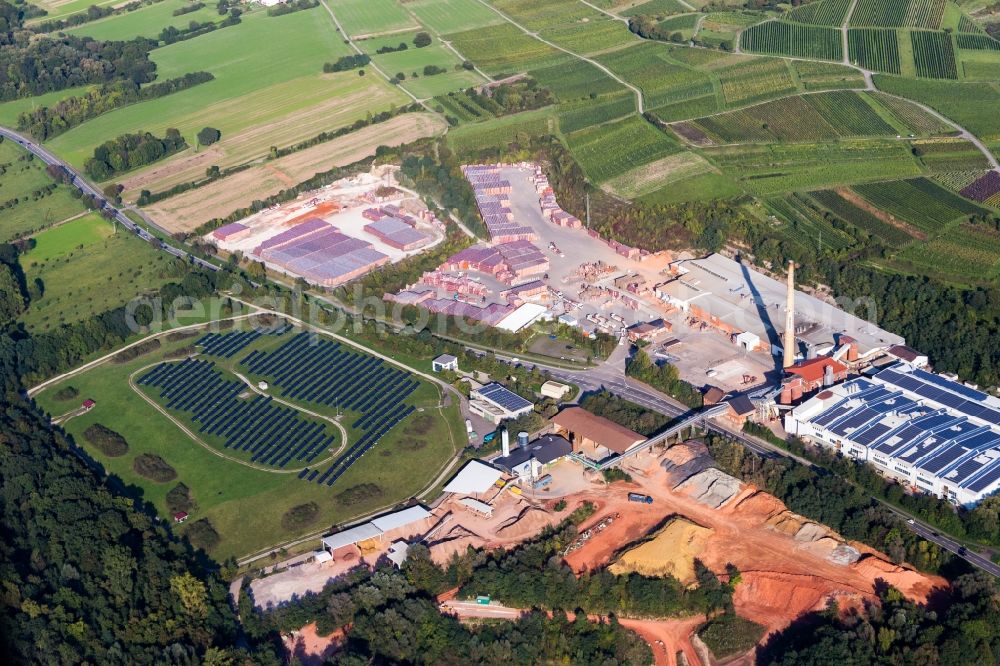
(786,395)
(505,442)
(522,439)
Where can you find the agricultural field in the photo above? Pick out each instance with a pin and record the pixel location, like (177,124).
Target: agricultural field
(62,8)
(933,55)
(447,16)
(899,13)
(971,105)
(822,12)
(655,8)
(662,173)
(876,49)
(805,223)
(501,131)
(688,109)
(187,211)
(756,81)
(587,113)
(578,80)
(611,150)
(504,50)
(683,23)
(919,201)
(30,200)
(949,155)
(793,39)
(895,234)
(774,168)
(827,76)
(145,22)
(589,35)
(273,94)
(966,253)
(245,500)
(362,18)
(815,117)
(84,269)
(647,66)
(412,62)
(911,115)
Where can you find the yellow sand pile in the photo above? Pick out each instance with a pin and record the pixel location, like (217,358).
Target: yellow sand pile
(670,553)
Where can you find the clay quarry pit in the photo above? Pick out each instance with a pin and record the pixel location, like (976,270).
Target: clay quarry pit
(789,565)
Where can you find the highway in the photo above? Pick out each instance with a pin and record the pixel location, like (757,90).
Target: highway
(82,184)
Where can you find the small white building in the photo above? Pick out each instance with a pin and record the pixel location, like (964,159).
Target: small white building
(474,505)
(444,362)
(495,403)
(554,390)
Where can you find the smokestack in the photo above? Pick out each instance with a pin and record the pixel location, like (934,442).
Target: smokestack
(505,442)
(789,342)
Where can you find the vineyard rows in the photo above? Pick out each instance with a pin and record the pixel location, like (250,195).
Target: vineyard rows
(919,201)
(793,39)
(860,218)
(977,42)
(823,12)
(875,49)
(933,55)
(899,13)
(610,150)
(957,180)
(756,80)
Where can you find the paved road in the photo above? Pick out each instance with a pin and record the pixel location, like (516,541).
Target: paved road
(82,184)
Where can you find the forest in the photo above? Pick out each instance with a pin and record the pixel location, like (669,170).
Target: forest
(90,576)
(34,65)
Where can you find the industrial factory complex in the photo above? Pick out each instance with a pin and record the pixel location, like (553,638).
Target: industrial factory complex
(932,433)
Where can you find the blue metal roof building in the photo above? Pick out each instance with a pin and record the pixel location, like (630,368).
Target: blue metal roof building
(929,432)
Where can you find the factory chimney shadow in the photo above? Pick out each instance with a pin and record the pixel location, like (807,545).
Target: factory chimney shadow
(772,333)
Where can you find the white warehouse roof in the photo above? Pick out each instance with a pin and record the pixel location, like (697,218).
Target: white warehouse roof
(476,477)
(396,519)
(524,316)
(362,532)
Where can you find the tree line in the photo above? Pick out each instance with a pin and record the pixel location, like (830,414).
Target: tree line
(46,122)
(130,151)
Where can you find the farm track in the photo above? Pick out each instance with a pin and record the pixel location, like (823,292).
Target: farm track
(638,93)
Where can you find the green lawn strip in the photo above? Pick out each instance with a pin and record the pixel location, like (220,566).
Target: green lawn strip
(145,22)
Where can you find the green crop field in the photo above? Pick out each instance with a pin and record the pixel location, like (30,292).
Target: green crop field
(822,12)
(874,48)
(892,236)
(245,505)
(911,115)
(827,76)
(816,117)
(412,61)
(793,39)
(371,17)
(966,253)
(145,22)
(502,131)
(655,8)
(29,198)
(688,109)
(577,80)
(272,94)
(806,224)
(647,66)
(919,201)
(105,273)
(774,168)
(587,113)
(977,42)
(589,36)
(971,105)
(541,14)
(684,23)
(62,8)
(504,50)
(610,150)
(950,155)
(447,16)
(899,13)
(77,234)
(933,55)
(756,81)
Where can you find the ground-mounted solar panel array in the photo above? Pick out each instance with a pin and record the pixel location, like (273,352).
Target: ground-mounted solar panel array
(272,434)
(327,373)
(227,345)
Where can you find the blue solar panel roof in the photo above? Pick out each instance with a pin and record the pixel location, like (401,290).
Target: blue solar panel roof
(954,387)
(986,476)
(504,397)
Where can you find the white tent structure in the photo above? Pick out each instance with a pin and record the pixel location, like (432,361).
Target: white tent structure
(475,478)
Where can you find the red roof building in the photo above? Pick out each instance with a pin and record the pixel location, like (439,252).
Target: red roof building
(180,516)
(88,404)
(814,371)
